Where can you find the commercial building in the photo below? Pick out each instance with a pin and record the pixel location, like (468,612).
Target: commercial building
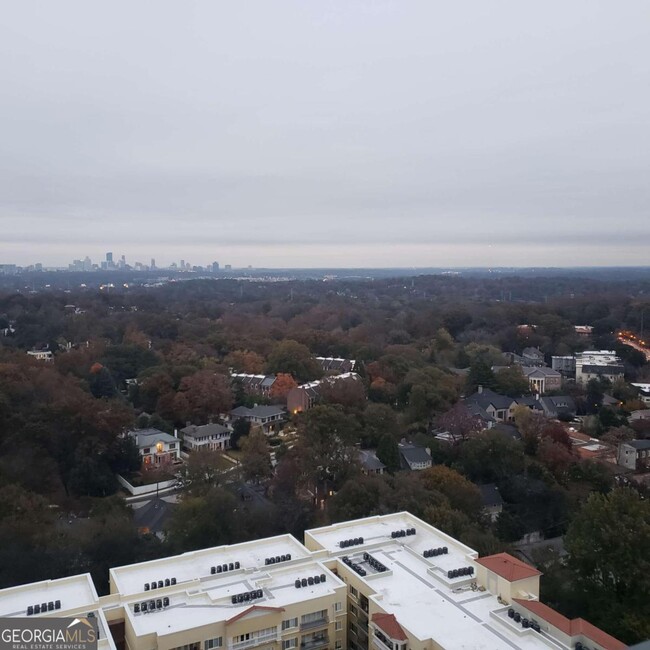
(598,364)
(389,582)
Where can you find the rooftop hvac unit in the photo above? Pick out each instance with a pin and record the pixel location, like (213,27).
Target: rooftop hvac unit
(160,584)
(579,646)
(159,603)
(517,617)
(322,577)
(146,586)
(136,608)
(231,566)
(143,606)
(260,593)
(224,567)
(288,557)
(365,555)
(166,601)
(511,613)
(152,605)
(297,583)
(247,596)
(167,582)
(43,607)
(37,609)
(215,569)
(304,582)
(277,559)
(535,626)
(57,604)
(310,581)
(237,565)
(233,600)
(271,560)
(449,574)
(50,606)
(316,580)
(445,550)
(173,581)
(30,610)
(524,622)
(266,561)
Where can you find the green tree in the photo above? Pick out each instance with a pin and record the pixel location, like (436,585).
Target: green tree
(511,381)
(608,543)
(388,452)
(255,461)
(326,438)
(378,420)
(240,429)
(295,359)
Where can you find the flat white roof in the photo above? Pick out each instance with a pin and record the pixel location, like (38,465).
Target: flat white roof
(196,565)
(211,600)
(73,592)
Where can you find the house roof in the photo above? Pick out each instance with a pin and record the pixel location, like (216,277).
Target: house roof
(508,567)
(148,437)
(370,461)
(639,444)
(388,624)
(531,371)
(488,397)
(559,402)
(490,495)
(571,627)
(204,430)
(414,453)
(260,411)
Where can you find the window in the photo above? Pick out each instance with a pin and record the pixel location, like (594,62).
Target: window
(354,592)
(172,445)
(314,617)
(217,642)
(147,450)
(290,643)
(289,623)
(339,626)
(338,645)
(338,607)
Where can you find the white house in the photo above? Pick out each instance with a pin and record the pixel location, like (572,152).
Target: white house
(209,436)
(156,447)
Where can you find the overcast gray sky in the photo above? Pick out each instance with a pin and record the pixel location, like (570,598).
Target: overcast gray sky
(320,133)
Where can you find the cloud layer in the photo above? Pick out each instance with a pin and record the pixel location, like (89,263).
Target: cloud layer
(385,133)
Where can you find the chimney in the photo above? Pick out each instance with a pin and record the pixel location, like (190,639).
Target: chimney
(480,389)
(175,433)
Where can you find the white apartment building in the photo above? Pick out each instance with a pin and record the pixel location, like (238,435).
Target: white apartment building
(389,582)
(598,364)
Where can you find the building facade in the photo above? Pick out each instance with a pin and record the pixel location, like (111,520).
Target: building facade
(156,447)
(390,582)
(213,437)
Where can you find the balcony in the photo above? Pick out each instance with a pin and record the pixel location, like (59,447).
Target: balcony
(379,644)
(310,625)
(315,643)
(255,641)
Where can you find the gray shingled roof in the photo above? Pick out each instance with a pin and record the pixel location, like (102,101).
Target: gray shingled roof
(149,437)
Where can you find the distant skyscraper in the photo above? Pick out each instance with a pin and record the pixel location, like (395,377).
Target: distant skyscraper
(109,258)
(153,263)
(215,267)
(182,265)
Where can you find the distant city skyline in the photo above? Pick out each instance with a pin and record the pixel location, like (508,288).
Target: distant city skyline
(350,134)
